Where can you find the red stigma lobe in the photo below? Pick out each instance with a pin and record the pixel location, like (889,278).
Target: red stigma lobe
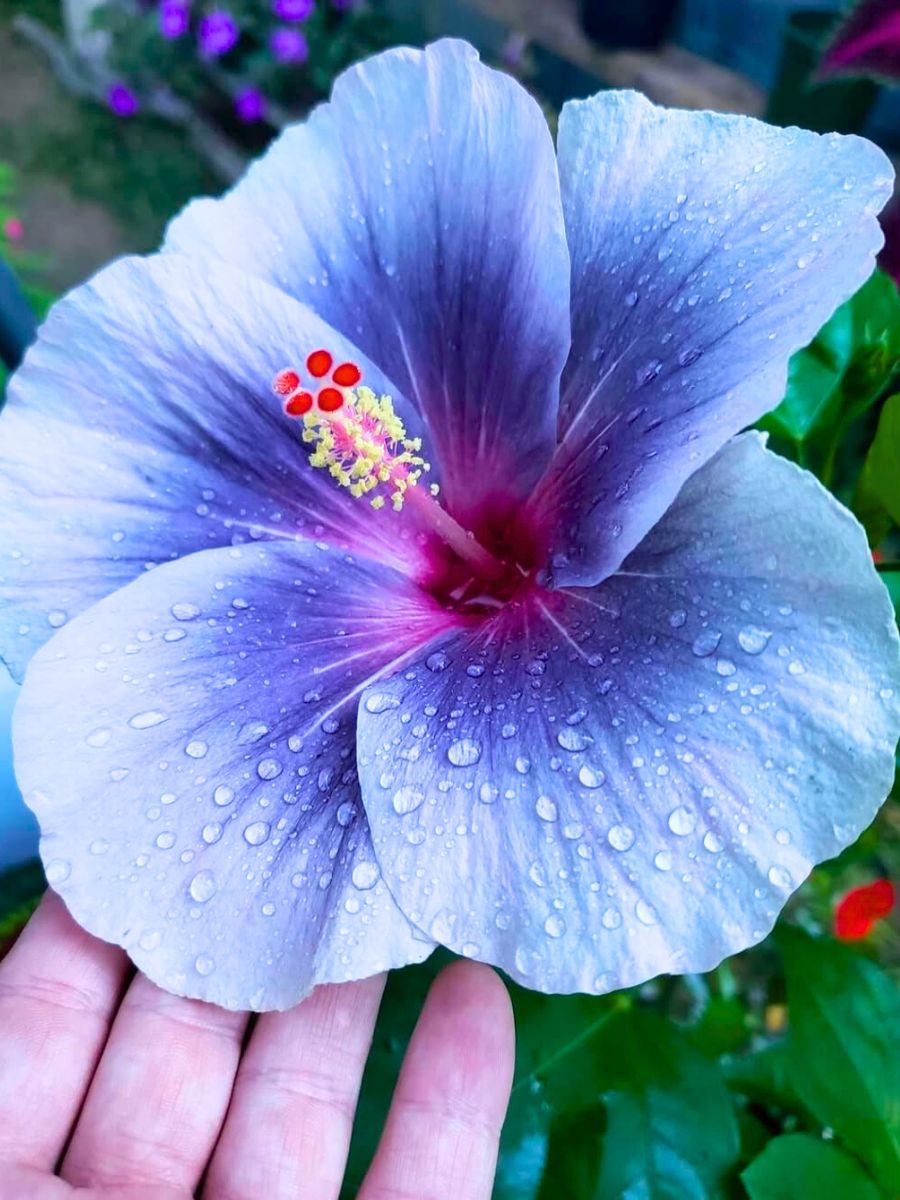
(319,363)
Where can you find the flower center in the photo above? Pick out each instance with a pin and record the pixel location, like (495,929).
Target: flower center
(361,441)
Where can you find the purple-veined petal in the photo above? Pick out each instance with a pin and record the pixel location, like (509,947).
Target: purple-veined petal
(142,427)
(705,250)
(419,213)
(633,778)
(867,42)
(188,747)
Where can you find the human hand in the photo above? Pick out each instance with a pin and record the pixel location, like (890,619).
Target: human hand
(116,1090)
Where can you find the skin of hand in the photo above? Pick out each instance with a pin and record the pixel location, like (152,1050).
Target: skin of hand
(111,1089)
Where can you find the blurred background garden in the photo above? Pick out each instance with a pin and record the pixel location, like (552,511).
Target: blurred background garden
(776,1077)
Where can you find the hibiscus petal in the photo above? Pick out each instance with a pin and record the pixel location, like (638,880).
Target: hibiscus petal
(705,249)
(188,748)
(419,213)
(634,781)
(143,427)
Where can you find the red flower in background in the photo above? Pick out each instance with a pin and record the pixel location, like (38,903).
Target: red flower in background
(858,912)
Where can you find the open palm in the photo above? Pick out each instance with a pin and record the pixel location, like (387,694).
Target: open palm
(111,1089)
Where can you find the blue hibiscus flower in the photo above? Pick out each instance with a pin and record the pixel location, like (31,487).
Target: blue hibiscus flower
(591,714)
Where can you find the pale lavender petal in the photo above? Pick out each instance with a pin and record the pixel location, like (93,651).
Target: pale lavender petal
(188,747)
(705,249)
(419,213)
(631,779)
(142,427)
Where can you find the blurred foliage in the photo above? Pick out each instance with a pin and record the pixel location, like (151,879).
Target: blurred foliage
(335,36)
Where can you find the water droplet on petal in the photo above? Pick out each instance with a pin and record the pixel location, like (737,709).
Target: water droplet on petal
(380,702)
(196,749)
(611,918)
(546,808)
(407,799)
(706,643)
(256,833)
(753,640)
(204,964)
(590,777)
(712,842)
(185,612)
(365,875)
(222,796)
(202,887)
(620,837)
(779,877)
(58,870)
(682,821)
(464,753)
(554,926)
(646,913)
(146,720)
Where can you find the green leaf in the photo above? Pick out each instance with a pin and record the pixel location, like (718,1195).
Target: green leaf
(891,580)
(836,378)
(21,887)
(671,1129)
(844,1047)
(880,478)
(799,1167)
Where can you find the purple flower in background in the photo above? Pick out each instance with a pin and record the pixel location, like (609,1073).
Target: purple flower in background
(122,100)
(218,34)
(866,43)
(174,18)
(590,713)
(289,46)
(293,10)
(250,104)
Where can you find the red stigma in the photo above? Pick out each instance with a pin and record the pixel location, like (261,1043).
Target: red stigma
(285,382)
(347,374)
(330,399)
(319,363)
(299,404)
(858,912)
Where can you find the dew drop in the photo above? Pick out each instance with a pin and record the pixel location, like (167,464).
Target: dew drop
(590,777)
(573,740)
(611,918)
(646,913)
(98,738)
(682,821)
(712,842)
(437,662)
(779,877)
(663,861)
(185,612)
(706,643)
(380,702)
(365,875)
(406,800)
(146,720)
(620,837)
(554,926)
(222,795)
(256,833)
(204,964)
(99,846)
(753,640)
(211,832)
(464,753)
(58,870)
(546,808)
(677,618)
(269,768)
(196,749)
(165,840)
(202,887)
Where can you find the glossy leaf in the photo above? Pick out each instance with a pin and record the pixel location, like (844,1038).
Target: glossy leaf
(838,376)
(671,1130)
(800,1167)
(844,1048)
(880,478)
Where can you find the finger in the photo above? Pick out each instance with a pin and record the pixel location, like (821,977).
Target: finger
(442,1133)
(289,1125)
(59,988)
(157,1101)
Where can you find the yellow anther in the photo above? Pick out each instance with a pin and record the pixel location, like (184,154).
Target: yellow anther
(364,446)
